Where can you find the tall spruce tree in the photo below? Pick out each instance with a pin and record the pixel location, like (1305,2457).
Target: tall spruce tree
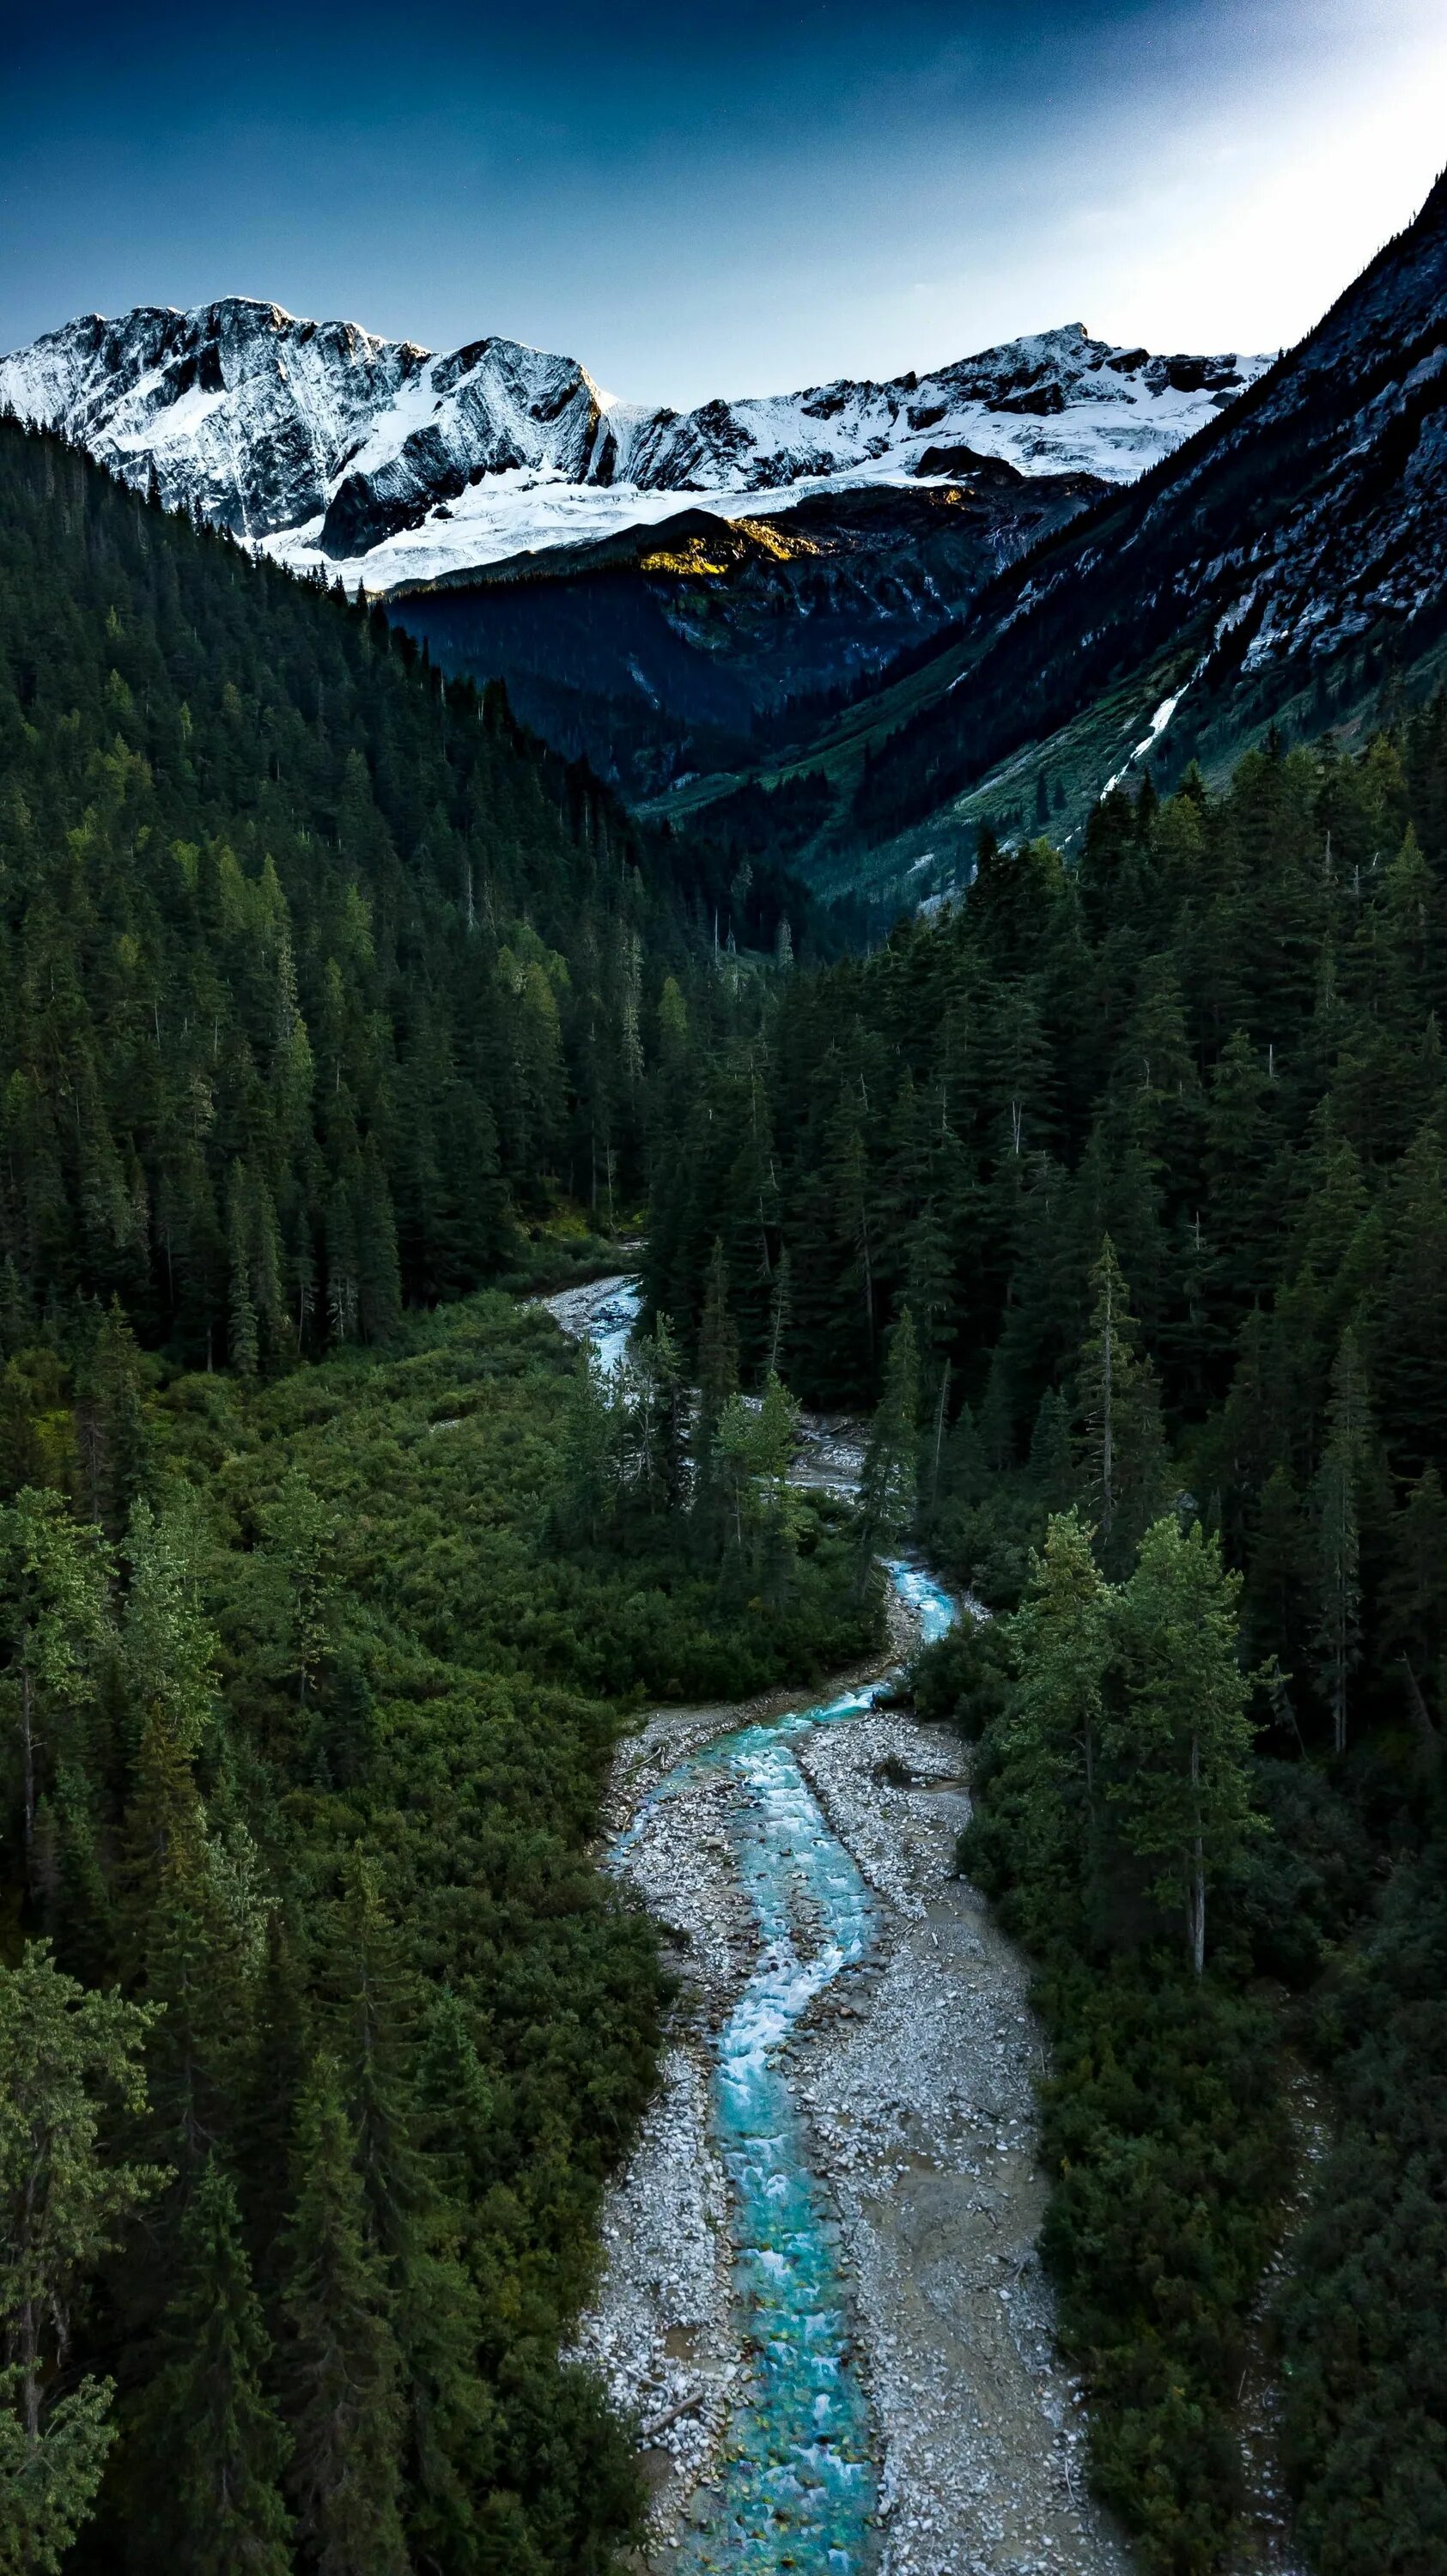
(1061,1643)
(345,2413)
(1125,1464)
(889,1482)
(1180,1740)
(209,2445)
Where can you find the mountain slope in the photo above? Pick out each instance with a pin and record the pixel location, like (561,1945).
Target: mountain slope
(316,980)
(692,646)
(1280,563)
(332,446)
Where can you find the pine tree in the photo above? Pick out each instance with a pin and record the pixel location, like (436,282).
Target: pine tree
(1052,1460)
(175,1943)
(211,2445)
(753,1448)
(110,1425)
(69,2061)
(242,1345)
(368,2005)
(1181,1740)
(888,1485)
(302,1580)
(1126,1467)
(718,1358)
(588,1480)
(1060,1642)
(346,2415)
(660,1400)
(779,1316)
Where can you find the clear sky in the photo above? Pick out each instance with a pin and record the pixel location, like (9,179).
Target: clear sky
(696,199)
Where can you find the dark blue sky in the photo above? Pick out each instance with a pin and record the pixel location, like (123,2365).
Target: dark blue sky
(696,200)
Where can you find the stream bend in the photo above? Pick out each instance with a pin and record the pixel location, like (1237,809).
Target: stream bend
(797,2486)
(821,2297)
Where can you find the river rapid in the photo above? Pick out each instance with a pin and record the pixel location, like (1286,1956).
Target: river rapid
(820,2296)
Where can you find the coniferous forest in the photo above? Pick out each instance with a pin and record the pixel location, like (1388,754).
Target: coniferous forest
(325,1584)
(332,1010)
(1131,1175)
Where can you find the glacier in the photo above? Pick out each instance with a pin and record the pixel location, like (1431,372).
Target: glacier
(386,463)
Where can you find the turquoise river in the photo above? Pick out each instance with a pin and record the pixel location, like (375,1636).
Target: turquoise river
(795,2488)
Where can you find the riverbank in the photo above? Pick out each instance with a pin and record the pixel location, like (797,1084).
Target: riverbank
(915,2072)
(909,2065)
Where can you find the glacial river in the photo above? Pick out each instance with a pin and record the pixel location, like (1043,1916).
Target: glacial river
(796,2486)
(820,2293)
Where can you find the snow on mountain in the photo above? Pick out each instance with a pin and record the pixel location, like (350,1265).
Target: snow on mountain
(333,447)
(1275,572)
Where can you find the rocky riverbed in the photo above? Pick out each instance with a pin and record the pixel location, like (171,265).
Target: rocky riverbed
(904,2069)
(913,2070)
(892,2017)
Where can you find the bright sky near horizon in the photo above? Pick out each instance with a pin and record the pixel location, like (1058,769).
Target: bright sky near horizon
(722,200)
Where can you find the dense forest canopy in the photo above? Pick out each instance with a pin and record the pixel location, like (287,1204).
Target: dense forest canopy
(1116,1194)
(315,975)
(322,991)
(1141,1164)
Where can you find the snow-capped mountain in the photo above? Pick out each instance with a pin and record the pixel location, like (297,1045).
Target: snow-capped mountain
(331,446)
(1276,572)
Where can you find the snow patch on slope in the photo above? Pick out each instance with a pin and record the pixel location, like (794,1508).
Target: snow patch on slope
(337,449)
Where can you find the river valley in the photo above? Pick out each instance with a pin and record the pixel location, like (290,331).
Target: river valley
(820,2296)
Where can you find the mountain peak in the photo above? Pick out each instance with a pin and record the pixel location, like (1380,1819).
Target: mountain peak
(334,446)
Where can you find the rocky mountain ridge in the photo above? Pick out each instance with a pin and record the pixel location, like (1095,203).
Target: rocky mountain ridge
(333,447)
(1271,580)
(1294,554)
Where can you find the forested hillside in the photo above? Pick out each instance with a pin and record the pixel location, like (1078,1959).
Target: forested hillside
(1127,1183)
(326,1582)
(315,977)
(321,990)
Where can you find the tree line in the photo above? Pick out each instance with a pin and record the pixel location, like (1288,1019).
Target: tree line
(1126,1175)
(318,979)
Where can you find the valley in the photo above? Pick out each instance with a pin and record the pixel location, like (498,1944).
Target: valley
(822,2296)
(723,1450)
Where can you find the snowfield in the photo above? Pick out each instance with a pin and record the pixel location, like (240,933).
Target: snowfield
(390,463)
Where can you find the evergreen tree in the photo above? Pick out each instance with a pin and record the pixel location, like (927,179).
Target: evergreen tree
(111,1423)
(209,2437)
(1181,1740)
(65,2055)
(888,1485)
(1061,1643)
(301,1578)
(1126,1468)
(589,1479)
(346,2415)
(169,1650)
(54,1619)
(718,1356)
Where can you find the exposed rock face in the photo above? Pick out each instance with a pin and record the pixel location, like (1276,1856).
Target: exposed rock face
(1273,559)
(331,444)
(266,423)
